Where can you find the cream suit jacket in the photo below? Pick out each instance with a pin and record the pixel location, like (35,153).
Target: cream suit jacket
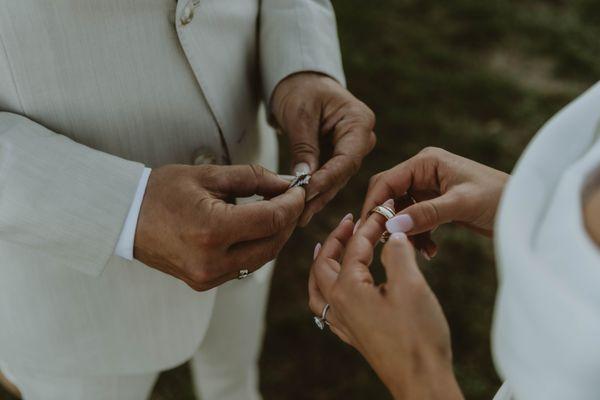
(67,304)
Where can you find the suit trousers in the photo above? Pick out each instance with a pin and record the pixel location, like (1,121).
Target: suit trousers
(225,366)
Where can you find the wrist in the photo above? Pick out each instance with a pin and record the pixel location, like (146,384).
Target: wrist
(426,378)
(426,385)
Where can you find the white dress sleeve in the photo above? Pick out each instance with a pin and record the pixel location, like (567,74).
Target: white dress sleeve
(546,328)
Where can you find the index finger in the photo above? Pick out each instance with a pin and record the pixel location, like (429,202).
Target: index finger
(351,145)
(359,253)
(244,181)
(263,218)
(393,183)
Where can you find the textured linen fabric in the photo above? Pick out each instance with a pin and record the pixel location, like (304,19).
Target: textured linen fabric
(91,91)
(547,317)
(35,386)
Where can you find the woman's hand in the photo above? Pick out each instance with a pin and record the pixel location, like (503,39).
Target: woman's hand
(447,188)
(398,326)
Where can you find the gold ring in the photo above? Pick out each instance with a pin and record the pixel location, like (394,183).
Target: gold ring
(387,212)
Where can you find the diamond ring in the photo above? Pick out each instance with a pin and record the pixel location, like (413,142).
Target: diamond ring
(321,321)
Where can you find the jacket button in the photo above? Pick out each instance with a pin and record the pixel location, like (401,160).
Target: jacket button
(188,12)
(204,157)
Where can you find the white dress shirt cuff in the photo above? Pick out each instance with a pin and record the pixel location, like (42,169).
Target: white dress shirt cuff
(124,246)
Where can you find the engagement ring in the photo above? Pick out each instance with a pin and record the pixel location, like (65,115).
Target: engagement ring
(321,321)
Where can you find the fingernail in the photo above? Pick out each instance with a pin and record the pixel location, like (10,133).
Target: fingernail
(390,204)
(398,236)
(347,217)
(301,169)
(356,226)
(316,251)
(425,255)
(289,178)
(400,223)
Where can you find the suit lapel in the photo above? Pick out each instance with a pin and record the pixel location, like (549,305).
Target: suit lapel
(219,39)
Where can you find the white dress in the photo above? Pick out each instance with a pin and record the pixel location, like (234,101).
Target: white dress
(546,333)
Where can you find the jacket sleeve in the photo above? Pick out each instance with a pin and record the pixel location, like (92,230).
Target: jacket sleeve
(296,36)
(60,199)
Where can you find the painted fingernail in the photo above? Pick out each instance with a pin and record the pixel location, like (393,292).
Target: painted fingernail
(347,217)
(316,251)
(425,255)
(400,223)
(288,178)
(301,169)
(390,204)
(398,236)
(356,226)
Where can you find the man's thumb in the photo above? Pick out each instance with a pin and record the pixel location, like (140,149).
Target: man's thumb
(304,144)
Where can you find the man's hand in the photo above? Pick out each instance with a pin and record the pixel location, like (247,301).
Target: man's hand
(188,229)
(306,105)
(398,326)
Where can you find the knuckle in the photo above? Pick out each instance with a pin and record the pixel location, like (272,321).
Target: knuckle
(303,114)
(370,115)
(337,295)
(304,147)
(372,141)
(373,180)
(432,152)
(278,219)
(258,171)
(429,213)
(199,287)
(199,279)
(312,305)
(206,237)
(417,288)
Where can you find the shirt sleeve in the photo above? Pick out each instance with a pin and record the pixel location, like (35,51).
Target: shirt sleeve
(126,240)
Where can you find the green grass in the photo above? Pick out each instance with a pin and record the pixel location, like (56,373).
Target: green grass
(475,77)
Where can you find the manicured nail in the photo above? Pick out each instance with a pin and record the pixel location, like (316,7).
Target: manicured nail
(425,255)
(301,169)
(398,236)
(316,251)
(347,217)
(356,226)
(289,178)
(400,223)
(389,204)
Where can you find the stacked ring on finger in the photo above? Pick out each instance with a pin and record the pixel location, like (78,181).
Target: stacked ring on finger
(322,320)
(388,214)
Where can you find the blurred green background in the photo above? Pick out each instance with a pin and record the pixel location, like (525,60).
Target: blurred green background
(475,77)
